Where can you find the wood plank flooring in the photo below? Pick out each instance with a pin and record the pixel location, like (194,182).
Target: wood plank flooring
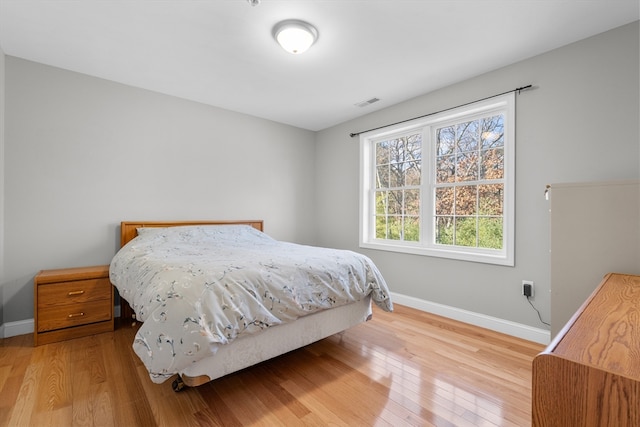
(406,368)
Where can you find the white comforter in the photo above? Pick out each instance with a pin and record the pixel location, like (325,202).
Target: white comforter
(198,287)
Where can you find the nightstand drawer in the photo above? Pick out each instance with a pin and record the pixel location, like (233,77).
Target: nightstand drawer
(65,316)
(75,292)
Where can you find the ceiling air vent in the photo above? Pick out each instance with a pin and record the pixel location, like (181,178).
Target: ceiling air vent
(367,102)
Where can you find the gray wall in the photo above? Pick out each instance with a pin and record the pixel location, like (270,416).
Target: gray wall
(580,123)
(82,154)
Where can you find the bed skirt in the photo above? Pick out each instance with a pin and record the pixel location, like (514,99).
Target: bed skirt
(252,349)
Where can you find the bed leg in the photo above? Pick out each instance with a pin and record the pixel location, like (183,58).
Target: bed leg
(177,384)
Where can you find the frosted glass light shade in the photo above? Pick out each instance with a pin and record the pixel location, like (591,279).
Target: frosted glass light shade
(295,36)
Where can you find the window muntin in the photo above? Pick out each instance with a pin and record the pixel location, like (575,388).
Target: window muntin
(442,186)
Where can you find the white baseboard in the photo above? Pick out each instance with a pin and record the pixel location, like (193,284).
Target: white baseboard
(541,336)
(21,327)
(519,330)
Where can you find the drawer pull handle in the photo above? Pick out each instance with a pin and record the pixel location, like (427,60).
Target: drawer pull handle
(75,315)
(72,293)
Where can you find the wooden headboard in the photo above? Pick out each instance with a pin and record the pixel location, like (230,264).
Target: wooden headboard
(129,229)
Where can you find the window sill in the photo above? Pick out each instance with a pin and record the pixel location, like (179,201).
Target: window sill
(459,254)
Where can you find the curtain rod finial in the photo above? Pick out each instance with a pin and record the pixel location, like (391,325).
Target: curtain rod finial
(520,89)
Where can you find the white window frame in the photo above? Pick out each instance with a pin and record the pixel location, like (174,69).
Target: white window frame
(504,104)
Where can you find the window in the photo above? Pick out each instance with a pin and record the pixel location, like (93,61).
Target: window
(442,185)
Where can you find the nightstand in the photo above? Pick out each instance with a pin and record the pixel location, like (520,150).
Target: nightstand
(71,303)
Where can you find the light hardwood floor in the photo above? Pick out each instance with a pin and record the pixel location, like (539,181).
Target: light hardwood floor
(404,368)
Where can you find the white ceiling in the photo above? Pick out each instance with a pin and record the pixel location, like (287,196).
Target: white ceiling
(221,52)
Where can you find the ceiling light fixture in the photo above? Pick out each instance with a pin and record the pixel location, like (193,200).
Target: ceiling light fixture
(295,36)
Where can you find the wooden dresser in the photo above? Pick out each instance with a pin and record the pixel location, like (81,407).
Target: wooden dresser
(71,303)
(590,374)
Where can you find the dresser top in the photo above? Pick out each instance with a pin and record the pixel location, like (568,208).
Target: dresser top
(605,332)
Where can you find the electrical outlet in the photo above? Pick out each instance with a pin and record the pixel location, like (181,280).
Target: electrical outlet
(527,288)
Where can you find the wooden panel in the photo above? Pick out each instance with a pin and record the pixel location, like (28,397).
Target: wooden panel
(68,274)
(590,374)
(573,394)
(75,292)
(58,335)
(66,316)
(128,229)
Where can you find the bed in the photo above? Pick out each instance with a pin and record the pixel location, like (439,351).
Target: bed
(215,297)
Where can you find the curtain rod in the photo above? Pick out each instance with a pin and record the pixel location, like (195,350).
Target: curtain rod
(519,89)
